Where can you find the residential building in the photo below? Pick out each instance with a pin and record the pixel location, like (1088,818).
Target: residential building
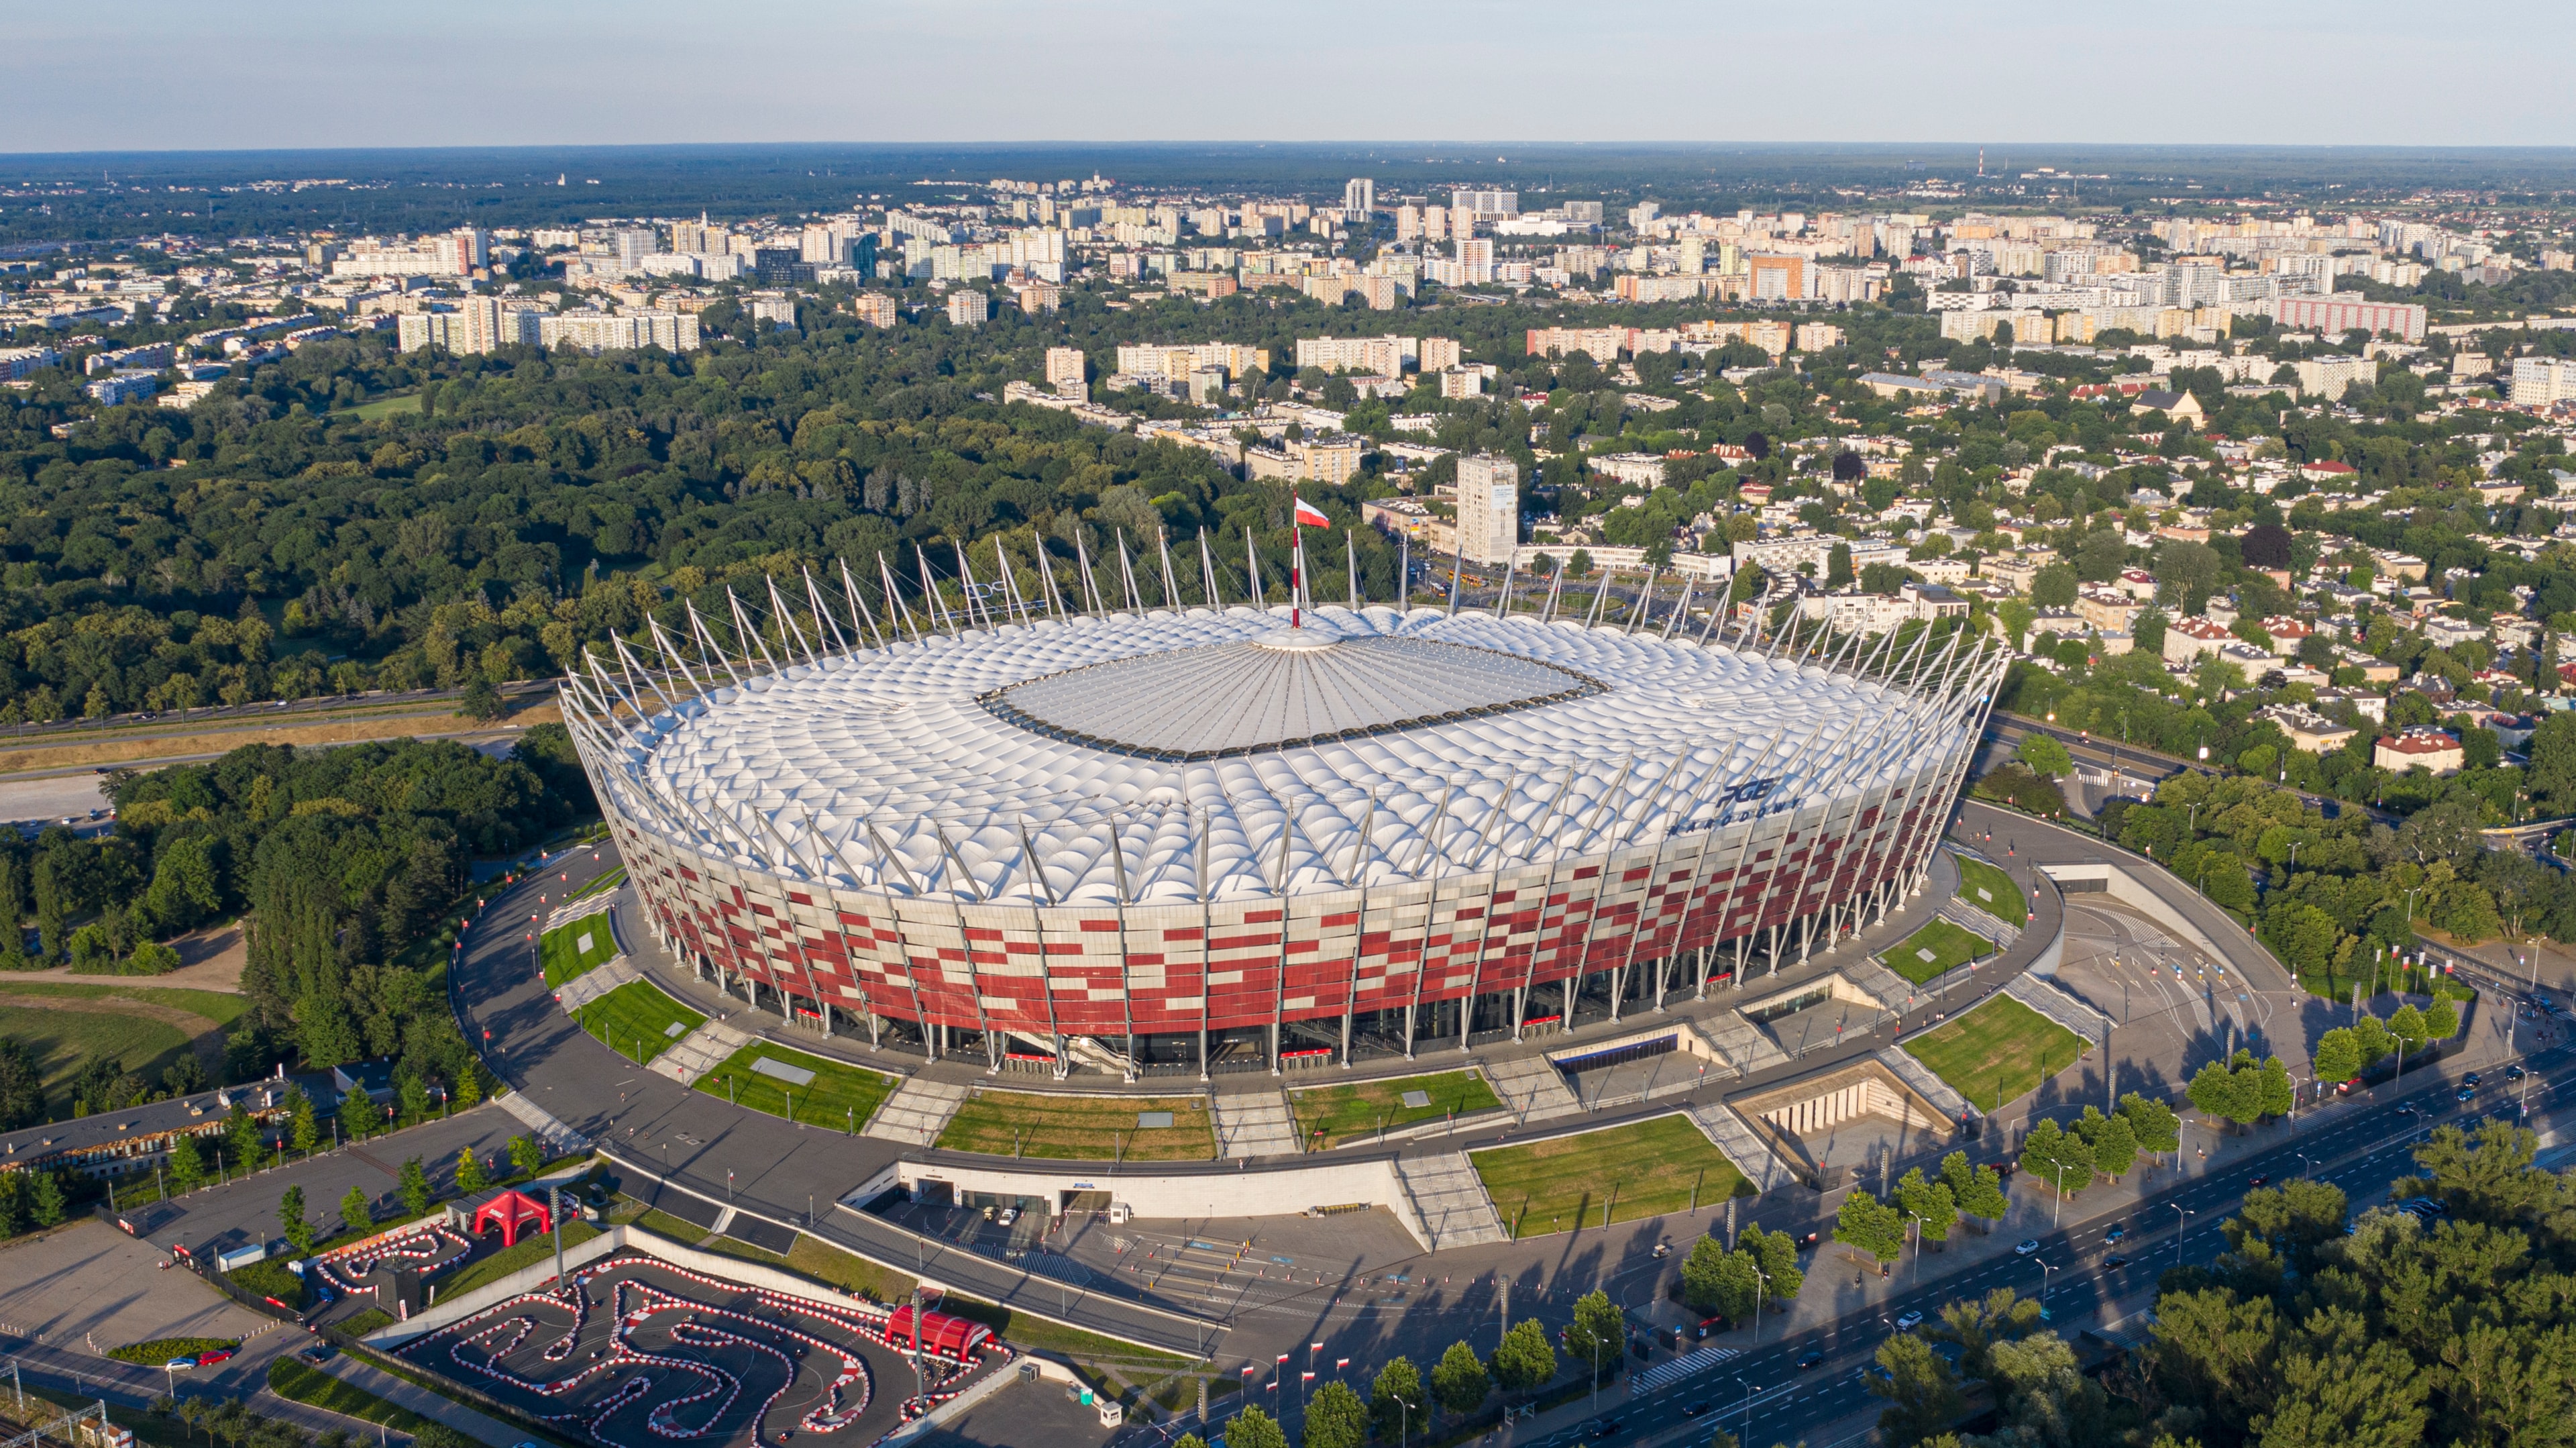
(1180,360)
(877,309)
(2337,315)
(119,388)
(1489,508)
(1065,372)
(1438,354)
(2308,732)
(2187,639)
(968,307)
(18,363)
(1359,197)
(1818,336)
(2434,749)
(2540,381)
(1383,356)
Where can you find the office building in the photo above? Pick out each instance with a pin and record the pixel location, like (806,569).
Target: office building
(1489,508)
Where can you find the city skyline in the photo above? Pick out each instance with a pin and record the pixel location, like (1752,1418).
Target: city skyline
(2022,75)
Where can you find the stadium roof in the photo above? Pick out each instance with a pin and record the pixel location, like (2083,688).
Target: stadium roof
(1045,764)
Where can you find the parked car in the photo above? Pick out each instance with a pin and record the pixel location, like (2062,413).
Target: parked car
(214,1355)
(319,1353)
(183,1360)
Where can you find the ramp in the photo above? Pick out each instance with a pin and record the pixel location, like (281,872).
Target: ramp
(2037,993)
(1450,1200)
(700,1051)
(1932,1088)
(557,1138)
(916,1113)
(1740,1043)
(1532,1089)
(1252,1123)
(598,981)
(1728,1133)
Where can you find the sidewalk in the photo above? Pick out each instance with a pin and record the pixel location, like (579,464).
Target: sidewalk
(437,1409)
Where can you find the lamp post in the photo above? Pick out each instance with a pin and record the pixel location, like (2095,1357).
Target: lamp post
(2180,1225)
(2047,1274)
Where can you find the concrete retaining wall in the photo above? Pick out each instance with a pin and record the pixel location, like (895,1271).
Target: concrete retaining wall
(1271,1192)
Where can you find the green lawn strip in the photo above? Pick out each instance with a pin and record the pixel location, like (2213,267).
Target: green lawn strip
(662,1223)
(216,1006)
(359,1324)
(1997,1052)
(1021,1330)
(270,1278)
(1642,1170)
(609,879)
(528,1253)
(63,1042)
(381,407)
(636,1019)
(1081,1128)
(2002,898)
(735,1247)
(840,1096)
(1355,1110)
(315,1388)
(561,952)
(159,1350)
(1950,947)
(824,1262)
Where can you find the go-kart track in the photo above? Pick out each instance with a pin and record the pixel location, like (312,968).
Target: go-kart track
(633,1351)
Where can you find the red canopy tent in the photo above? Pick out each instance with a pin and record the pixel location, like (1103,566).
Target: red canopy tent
(953,1338)
(512,1210)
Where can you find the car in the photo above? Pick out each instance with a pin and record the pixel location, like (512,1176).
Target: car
(2346,1088)
(183,1360)
(1663,1249)
(1908,1321)
(319,1353)
(1693,1410)
(214,1355)
(2259,1178)
(2118,1231)
(2513,1073)
(2472,1079)
(1812,1357)
(1602,1427)
(2026,1246)
(2115,1261)
(1709,1325)
(1006,1216)
(2405,1110)
(2465,1094)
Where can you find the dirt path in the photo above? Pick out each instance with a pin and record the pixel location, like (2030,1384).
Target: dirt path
(205,1038)
(212,960)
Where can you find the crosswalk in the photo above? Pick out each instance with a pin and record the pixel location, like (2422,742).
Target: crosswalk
(1664,1375)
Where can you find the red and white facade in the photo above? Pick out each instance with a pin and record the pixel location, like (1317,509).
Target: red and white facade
(1148,828)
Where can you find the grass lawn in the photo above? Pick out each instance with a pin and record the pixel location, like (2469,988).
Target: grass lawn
(1021,1330)
(359,1324)
(636,1020)
(564,953)
(1935,948)
(1991,890)
(1644,1170)
(1997,1052)
(64,1041)
(662,1222)
(214,1005)
(609,879)
(294,1380)
(528,1253)
(1085,1128)
(1354,1111)
(824,1262)
(401,402)
(841,1097)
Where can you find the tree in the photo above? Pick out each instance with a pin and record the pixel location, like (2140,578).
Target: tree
(1336,1418)
(2266,545)
(2158,1127)
(290,1216)
(1776,1253)
(187,1167)
(2062,1163)
(482,703)
(1459,1379)
(359,1115)
(2217,1091)
(1395,1398)
(2441,1019)
(1189,1440)
(242,1136)
(2338,1056)
(526,1155)
(1838,566)
(48,1210)
(1253,1428)
(2045,756)
(1871,1225)
(1704,1274)
(2276,1095)
(1598,1334)
(2113,1141)
(1525,1360)
(1922,1392)
(2053,587)
(2407,1025)
(301,1130)
(354,1212)
(1979,1191)
(1976,1325)
(414,1186)
(469,1171)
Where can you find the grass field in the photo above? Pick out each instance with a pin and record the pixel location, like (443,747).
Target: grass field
(840,1097)
(609,879)
(1627,1172)
(1021,1330)
(293,1380)
(400,402)
(528,1253)
(562,951)
(1997,1052)
(216,1006)
(1085,1128)
(1355,1111)
(636,1019)
(1991,890)
(1949,946)
(63,1041)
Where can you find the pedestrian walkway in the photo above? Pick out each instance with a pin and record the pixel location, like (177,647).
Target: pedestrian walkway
(421,1400)
(605,902)
(1892,991)
(1752,1156)
(1664,1375)
(1252,1123)
(1532,1088)
(557,1138)
(1449,1199)
(1740,1043)
(2043,996)
(1933,1089)
(917,1111)
(591,984)
(1980,922)
(700,1051)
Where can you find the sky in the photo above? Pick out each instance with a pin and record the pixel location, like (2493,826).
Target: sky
(256,74)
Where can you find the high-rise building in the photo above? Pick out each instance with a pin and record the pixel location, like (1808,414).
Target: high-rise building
(1486,203)
(968,307)
(1064,369)
(1489,508)
(2336,315)
(1476,256)
(1435,223)
(2540,381)
(1359,197)
(874,308)
(1439,354)
(634,243)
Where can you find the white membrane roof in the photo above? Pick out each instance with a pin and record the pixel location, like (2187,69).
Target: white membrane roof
(951,766)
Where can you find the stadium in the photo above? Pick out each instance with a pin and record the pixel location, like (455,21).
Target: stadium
(1152,841)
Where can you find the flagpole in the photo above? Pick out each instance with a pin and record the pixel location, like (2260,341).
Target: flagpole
(1296,568)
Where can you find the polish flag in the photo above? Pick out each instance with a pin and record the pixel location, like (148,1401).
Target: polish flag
(1310,516)
(1340,1363)
(1305,1377)
(1283,1357)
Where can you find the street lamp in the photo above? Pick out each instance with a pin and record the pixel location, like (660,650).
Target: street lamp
(2179,1227)
(2046,1276)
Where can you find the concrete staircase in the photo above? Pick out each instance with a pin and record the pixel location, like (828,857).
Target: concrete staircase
(1450,1200)
(917,1112)
(1979,922)
(2041,995)
(1740,1043)
(1935,1090)
(1532,1089)
(700,1051)
(1728,1133)
(1252,1123)
(598,981)
(1882,985)
(599,904)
